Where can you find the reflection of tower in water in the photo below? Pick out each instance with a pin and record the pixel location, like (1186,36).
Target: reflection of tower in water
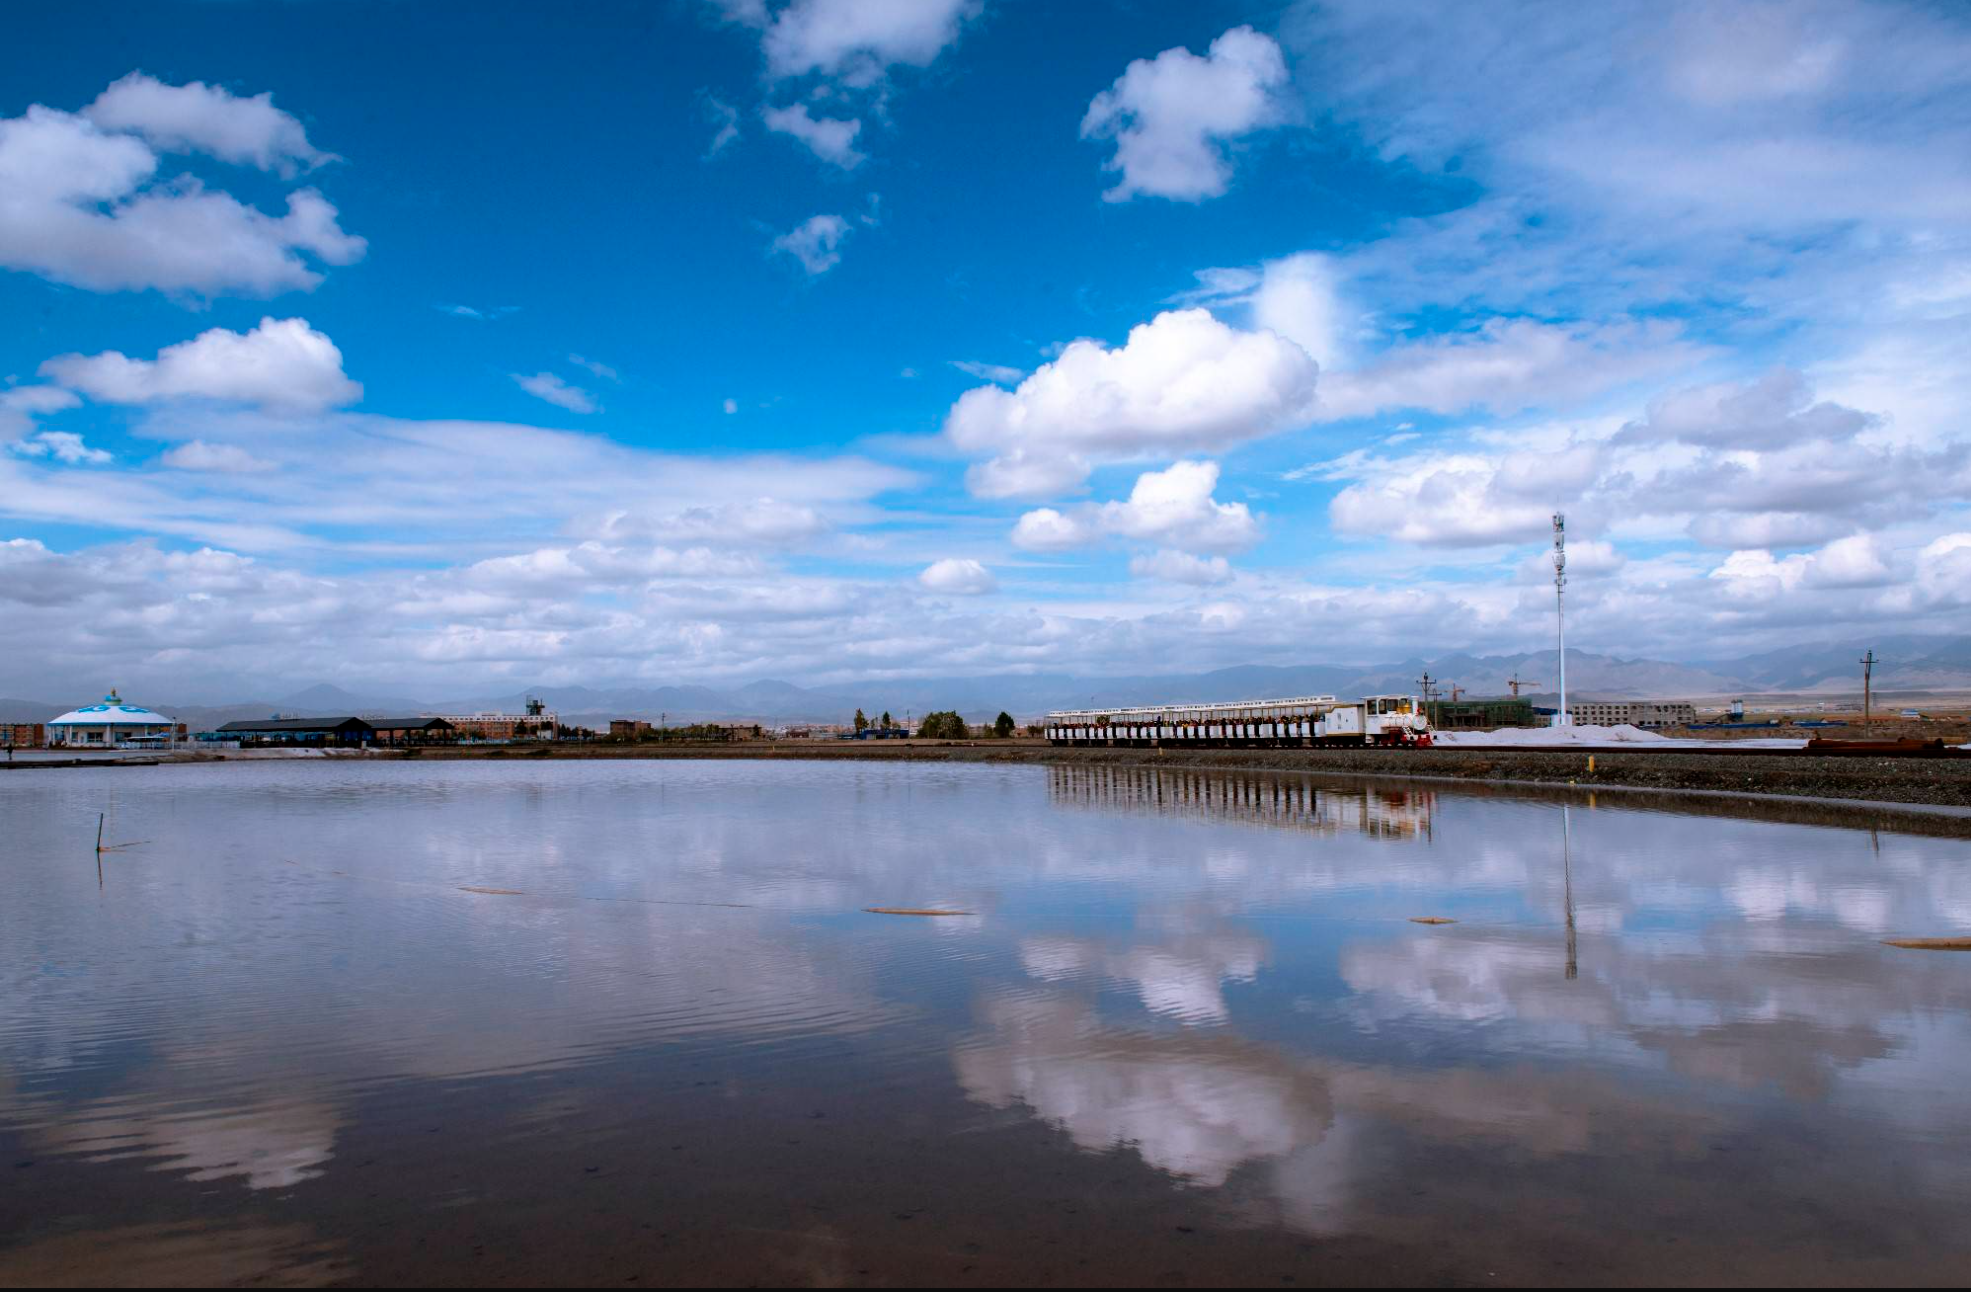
(1277,802)
(1567,881)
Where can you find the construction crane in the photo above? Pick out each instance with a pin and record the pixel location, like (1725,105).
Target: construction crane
(1515,683)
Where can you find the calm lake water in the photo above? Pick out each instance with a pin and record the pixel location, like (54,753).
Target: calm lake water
(1188,1032)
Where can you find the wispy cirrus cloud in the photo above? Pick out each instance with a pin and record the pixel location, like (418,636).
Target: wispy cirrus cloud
(556,390)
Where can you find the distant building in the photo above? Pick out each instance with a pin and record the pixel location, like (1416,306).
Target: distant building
(1635,713)
(1480,715)
(23,735)
(312,732)
(627,728)
(506,726)
(412,731)
(113,725)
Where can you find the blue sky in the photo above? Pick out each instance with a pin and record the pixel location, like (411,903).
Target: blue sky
(859,338)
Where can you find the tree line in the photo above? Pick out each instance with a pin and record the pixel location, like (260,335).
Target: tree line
(943,724)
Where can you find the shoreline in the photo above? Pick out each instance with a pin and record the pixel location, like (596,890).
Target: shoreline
(1935,791)
(1886,780)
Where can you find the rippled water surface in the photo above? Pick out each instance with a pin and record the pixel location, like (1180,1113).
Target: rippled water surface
(586,1022)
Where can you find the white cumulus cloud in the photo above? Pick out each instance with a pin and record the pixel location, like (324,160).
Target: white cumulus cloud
(1943,570)
(1298,298)
(282,363)
(1173,507)
(1171,116)
(858,40)
(78,205)
(1182,383)
(1855,562)
(197,117)
(1181,567)
(958,576)
(1444,499)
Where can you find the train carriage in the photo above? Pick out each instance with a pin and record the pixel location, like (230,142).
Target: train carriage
(1298,722)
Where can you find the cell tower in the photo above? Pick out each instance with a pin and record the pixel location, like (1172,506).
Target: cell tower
(1560,609)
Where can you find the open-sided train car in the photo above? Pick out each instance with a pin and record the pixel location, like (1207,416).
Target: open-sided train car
(1303,721)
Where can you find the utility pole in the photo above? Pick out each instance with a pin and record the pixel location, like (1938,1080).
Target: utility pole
(1868,690)
(1560,609)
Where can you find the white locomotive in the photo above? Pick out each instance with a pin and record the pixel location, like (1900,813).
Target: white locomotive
(1309,720)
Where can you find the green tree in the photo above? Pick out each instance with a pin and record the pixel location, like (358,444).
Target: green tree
(944,724)
(1002,726)
(861,723)
(887,724)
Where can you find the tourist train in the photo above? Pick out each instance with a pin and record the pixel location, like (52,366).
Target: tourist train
(1386,720)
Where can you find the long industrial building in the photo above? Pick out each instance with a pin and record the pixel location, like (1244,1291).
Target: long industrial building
(1636,713)
(348,732)
(1302,720)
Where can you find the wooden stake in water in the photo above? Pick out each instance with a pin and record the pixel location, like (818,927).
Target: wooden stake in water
(99,834)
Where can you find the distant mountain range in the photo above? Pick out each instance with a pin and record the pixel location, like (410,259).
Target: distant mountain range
(1906,664)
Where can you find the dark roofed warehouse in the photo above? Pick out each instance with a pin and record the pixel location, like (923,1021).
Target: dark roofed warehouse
(411,731)
(336,731)
(299,731)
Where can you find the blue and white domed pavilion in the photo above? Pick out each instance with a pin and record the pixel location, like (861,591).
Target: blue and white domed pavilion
(111,724)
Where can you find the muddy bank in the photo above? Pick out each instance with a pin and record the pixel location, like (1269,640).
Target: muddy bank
(1945,782)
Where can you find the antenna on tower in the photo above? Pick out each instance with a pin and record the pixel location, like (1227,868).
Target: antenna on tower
(1560,609)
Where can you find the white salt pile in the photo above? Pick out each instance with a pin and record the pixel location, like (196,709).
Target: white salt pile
(1594,738)
(1624,734)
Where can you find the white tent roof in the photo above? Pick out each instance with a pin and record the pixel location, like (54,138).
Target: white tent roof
(112,712)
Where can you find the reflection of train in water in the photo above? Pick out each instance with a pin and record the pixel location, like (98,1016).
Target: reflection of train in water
(1280,802)
(1306,720)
